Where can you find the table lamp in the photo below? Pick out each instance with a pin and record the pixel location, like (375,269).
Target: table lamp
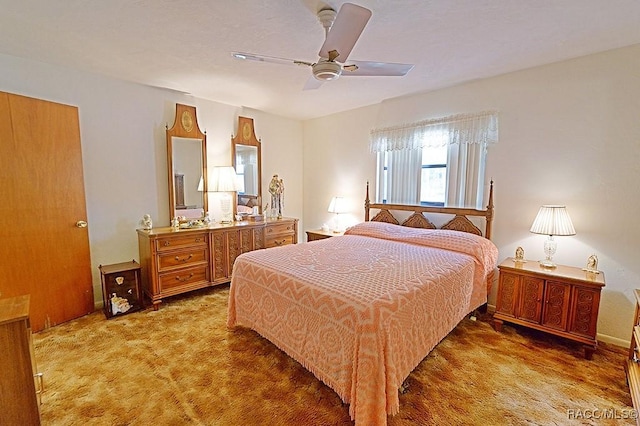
(337,206)
(224,180)
(552,220)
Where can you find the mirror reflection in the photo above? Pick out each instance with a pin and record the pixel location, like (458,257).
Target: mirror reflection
(188,182)
(247,169)
(187,167)
(246,158)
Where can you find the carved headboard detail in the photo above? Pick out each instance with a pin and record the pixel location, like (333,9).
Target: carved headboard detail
(461,223)
(417,219)
(385,216)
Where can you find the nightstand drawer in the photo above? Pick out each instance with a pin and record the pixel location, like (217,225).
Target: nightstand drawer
(319,234)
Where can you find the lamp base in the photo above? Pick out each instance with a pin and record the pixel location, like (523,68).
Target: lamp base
(547,263)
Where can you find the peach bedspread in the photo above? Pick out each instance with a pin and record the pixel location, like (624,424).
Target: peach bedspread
(361,311)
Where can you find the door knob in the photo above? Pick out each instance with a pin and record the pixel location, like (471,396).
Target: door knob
(81,224)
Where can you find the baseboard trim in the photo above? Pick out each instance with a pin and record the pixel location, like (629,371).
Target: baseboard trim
(613,340)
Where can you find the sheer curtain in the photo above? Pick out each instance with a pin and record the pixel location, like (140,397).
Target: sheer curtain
(467,137)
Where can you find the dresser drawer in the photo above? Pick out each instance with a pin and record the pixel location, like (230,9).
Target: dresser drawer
(181,241)
(183,258)
(279,229)
(279,240)
(184,278)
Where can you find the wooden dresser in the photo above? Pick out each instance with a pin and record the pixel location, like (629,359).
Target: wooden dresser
(632,366)
(175,261)
(18,400)
(563,301)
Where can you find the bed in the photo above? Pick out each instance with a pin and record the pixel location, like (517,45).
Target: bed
(360,311)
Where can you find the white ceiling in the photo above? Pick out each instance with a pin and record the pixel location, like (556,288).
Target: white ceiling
(185,45)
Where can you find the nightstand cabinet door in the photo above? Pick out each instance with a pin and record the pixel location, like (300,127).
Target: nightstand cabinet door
(530,299)
(507,302)
(585,303)
(556,305)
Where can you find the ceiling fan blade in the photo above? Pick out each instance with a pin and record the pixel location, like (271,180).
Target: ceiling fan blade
(272,59)
(369,68)
(312,83)
(345,31)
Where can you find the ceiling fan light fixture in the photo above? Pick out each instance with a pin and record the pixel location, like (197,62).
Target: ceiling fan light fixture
(327,71)
(326,18)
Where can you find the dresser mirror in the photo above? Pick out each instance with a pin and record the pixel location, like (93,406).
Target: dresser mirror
(187,166)
(246,156)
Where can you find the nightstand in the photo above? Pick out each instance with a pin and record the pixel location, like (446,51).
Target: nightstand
(563,301)
(121,290)
(319,234)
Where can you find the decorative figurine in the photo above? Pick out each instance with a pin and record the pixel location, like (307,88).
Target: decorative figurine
(207,219)
(175,222)
(119,304)
(146,222)
(592,264)
(276,189)
(519,258)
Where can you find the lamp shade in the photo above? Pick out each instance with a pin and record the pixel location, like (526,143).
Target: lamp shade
(553,220)
(223,179)
(337,205)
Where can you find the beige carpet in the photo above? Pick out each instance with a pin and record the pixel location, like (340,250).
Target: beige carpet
(180,365)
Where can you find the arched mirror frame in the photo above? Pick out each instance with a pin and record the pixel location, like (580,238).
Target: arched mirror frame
(185,125)
(246,136)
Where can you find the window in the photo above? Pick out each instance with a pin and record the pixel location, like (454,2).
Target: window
(433,177)
(240,178)
(434,162)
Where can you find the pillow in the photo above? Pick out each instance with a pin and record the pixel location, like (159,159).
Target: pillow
(481,249)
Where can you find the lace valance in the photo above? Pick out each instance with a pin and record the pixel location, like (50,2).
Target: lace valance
(481,128)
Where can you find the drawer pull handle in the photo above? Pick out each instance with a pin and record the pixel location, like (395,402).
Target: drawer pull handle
(166,243)
(279,243)
(184,259)
(183,279)
(198,240)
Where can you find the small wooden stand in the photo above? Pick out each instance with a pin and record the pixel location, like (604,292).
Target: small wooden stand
(121,280)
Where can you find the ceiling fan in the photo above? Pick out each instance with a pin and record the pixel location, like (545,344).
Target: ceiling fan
(342,31)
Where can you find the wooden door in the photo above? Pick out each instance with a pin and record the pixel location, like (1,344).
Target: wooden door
(43,250)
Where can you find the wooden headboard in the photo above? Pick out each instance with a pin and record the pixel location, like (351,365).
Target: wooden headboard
(460,221)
